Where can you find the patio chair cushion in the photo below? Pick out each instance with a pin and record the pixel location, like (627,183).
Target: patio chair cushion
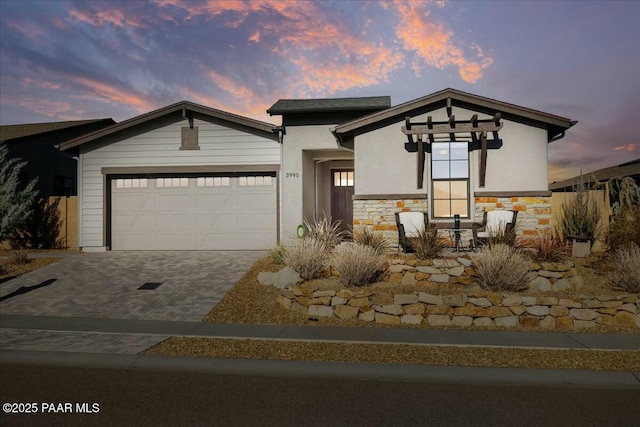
(413,222)
(496,221)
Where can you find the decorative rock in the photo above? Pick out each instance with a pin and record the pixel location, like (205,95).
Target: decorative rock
(483,321)
(344,293)
(445,263)
(400,268)
(583,314)
(421,276)
(429,270)
(405,299)
(463,321)
(549,322)
(439,278)
(605,320)
(367,316)
(494,298)
(265,277)
(439,320)
(455,300)
(530,322)
(417,308)
(594,303)
(507,322)
(456,271)
(299,292)
(338,301)
(531,276)
(569,303)
(538,310)
(541,284)
(318,294)
(283,278)
(577,282)
(557,311)
(394,309)
(319,311)
(303,300)
(411,319)
(408,279)
(482,312)
(299,308)
(611,304)
(395,278)
(583,324)
(465,261)
(386,319)
(511,300)
(359,302)
(609,311)
(625,319)
(528,301)
(462,280)
(284,301)
(320,301)
(549,274)
(547,301)
(439,309)
(631,308)
(564,323)
(480,302)
(346,312)
(561,285)
(382,298)
(429,299)
(518,309)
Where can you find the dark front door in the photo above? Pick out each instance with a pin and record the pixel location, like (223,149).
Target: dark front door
(342,197)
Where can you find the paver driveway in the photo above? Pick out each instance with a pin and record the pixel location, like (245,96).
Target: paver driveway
(106,285)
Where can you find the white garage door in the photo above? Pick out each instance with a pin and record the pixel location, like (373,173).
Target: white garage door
(193,213)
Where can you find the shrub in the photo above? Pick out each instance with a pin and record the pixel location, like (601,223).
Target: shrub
(501,268)
(278,254)
(307,257)
(580,215)
(502,236)
(624,227)
(368,237)
(550,247)
(427,244)
(325,231)
(19,257)
(626,268)
(41,228)
(358,264)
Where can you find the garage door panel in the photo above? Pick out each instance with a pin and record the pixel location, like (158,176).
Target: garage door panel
(183,214)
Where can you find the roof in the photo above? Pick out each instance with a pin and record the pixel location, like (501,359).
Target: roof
(9,132)
(324,105)
(181,109)
(631,169)
(556,125)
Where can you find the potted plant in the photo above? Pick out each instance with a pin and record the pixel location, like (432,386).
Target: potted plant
(579,221)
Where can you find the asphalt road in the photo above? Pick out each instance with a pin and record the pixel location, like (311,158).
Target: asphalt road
(149,398)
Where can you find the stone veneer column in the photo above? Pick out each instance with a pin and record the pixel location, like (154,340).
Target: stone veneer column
(379,213)
(534,212)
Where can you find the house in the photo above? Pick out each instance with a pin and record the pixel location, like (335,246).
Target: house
(192,177)
(598,178)
(36,143)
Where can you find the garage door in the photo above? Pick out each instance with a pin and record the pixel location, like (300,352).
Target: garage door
(194,213)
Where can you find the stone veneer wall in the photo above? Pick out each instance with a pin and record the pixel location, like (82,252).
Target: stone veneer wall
(534,214)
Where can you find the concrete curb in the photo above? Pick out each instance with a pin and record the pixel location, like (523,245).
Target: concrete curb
(361,371)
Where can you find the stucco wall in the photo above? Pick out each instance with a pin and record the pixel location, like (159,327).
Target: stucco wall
(219,146)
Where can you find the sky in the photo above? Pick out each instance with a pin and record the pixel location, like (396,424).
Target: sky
(73,60)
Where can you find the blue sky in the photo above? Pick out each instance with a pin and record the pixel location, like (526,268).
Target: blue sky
(67,60)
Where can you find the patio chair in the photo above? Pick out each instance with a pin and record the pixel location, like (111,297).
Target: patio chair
(494,223)
(409,225)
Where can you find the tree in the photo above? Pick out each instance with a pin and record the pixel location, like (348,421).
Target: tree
(15,202)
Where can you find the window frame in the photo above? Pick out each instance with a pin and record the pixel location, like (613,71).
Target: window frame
(467,179)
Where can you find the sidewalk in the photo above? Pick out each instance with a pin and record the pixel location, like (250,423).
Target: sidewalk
(96,342)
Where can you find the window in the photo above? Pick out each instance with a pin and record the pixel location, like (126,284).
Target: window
(450,179)
(250,181)
(343,178)
(131,182)
(172,182)
(63,185)
(209,181)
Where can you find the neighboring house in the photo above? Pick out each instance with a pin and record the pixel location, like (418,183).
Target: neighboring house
(597,178)
(192,177)
(36,143)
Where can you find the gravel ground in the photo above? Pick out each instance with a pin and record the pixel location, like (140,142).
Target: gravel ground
(399,354)
(12,270)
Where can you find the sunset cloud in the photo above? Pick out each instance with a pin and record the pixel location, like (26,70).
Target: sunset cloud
(627,147)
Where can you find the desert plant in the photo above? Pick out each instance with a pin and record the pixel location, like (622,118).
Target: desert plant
(501,268)
(368,237)
(358,264)
(328,232)
(307,257)
(19,257)
(41,228)
(623,192)
(624,227)
(427,244)
(278,254)
(625,272)
(14,201)
(501,236)
(580,215)
(549,247)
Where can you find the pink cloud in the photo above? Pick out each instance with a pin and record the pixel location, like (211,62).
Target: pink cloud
(627,147)
(113,16)
(57,110)
(103,92)
(434,44)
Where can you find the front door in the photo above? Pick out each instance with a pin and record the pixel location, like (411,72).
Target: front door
(342,197)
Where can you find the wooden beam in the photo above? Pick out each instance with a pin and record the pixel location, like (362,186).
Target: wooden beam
(429,123)
(449,109)
(421,158)
(452,123)
(496,118)
(483,158)
(446,128)
(474,120)
(407,123)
